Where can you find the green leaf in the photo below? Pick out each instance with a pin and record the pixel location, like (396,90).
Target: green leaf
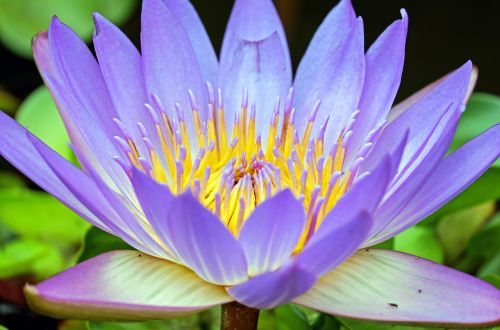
(365,325)
(38,215)
(39,114)
(483,248)
(486,244)
(206,320)
(486,188)
(97,242)
(326,322)
(490,270)
(420,241)
(290,317)
(8,102)
(51,263)
(456,230)
(16,257)
(8,179)
(3,328)
(386,245)
(20,20)
(24,256)
(72,325)
(483,111)
(267,320)
(177,324)
(493,279)
(284,317)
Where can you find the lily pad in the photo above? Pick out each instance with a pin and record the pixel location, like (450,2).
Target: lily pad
(420,241)
(25,256)
(39,115)
(38,215)
(486,188)
(20,20)
(456,230)
(9,179)
(97,242)
(365,325)
(483,111)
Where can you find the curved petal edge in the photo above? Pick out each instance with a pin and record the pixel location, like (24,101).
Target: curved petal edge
(124,286)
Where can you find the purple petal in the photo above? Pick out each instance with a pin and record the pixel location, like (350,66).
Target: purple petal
(423,116)
(16,148)
(334,29)
(335,78)
(42,55)
(271,233)
(255,20)
(195,237)
(260,67)
(411,178)
(124,285)
(89,194)
(348,225)
(131,219)
(170,64)
(332,245)
(455,173)
(185,13)
(429,126)
(384,66)
(273,288)
(414,98)
(375,182)
(90,141)
(121,67)
(79,72)
(76,83)
(395,287)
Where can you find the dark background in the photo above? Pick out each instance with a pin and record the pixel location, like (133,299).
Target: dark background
(443,34)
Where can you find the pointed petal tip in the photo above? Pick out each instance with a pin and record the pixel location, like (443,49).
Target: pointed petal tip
(55,22)
(98,21)
(255,20)
(346,5)
(39,36)
(466,67)
(404,14)
(31,294)
(404,19)
(286,195)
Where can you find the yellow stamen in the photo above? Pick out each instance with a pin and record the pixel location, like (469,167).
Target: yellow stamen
(232,178)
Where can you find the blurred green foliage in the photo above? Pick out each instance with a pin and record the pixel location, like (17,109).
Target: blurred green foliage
(39,114)
(483,111)
(26,256)
(420,241)
(20,20)
(97,241)
(39,236)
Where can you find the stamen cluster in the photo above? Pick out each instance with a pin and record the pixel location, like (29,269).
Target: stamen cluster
(233,173)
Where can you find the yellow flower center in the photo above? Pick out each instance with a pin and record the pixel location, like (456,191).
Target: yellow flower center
(231,173)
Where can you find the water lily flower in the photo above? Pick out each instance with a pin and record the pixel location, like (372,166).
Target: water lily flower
(235,183)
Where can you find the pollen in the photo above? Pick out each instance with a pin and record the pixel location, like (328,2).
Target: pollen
(231,170)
